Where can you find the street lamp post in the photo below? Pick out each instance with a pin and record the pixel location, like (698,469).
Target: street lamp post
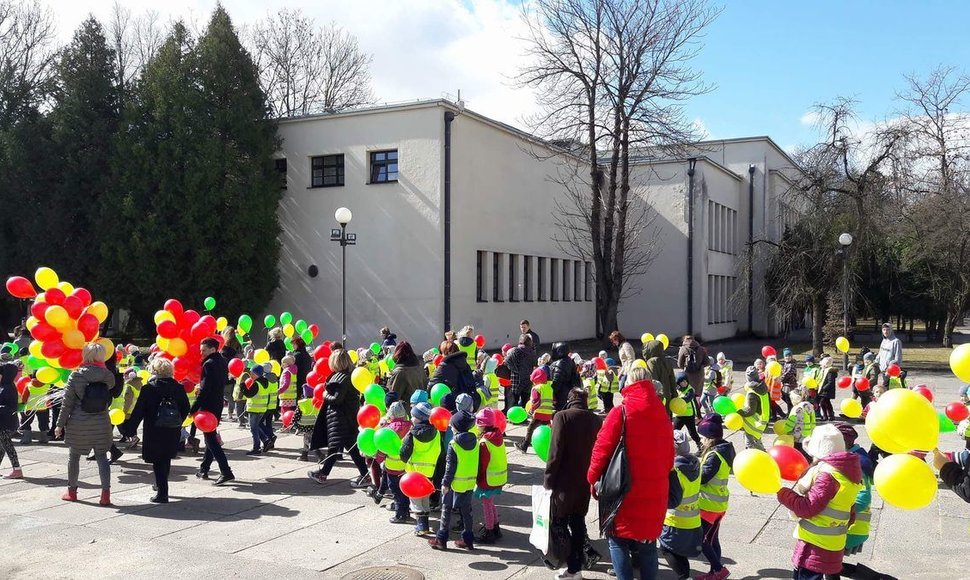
(845,240)
(343,217)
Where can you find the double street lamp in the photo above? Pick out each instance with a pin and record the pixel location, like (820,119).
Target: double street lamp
(343,217)
(845,240)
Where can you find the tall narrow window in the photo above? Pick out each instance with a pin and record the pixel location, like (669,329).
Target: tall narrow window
(566,286)
(577,280)
(527,292)
(383,166)
(497,278)
(514,278)
(281,171)
(481,293)
(542,277)
(589,282)
(554,278)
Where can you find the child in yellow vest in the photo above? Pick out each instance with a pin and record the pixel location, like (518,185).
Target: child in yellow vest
(304,419)
(492,473)
(682,535)
(396,420)
(420,450)
(717,457)
(543,405)
(458,483)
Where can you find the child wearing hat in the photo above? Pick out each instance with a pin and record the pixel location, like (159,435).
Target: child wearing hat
(686,418)
(682,534)
(542,405)
(492,473)
(756,410)
(823,500)
(420,450)
(396,420)
(712,380)
(458,483)
(800,422)
(727,372)
(717,457)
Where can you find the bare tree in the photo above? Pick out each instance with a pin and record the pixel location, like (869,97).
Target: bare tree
(27,56)
(308,69)
(135,41)
(611,76)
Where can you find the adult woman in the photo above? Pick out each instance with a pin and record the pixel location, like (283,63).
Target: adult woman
(649,440)
(304,363)
(276,347)
(626,354)
(9,398)
(455,372)
(230,350)
(408,375)
(160,443)
(336,429)
(87,430)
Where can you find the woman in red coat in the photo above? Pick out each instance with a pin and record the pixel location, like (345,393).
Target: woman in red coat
(650,452)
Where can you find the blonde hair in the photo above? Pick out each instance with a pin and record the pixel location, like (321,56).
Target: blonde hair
(288,360)
(276,333)
(339,361)
(466,332)
(638,374)
(93,353)
(162,368)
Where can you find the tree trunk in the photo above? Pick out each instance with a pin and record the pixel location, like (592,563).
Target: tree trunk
(818,323)
(948,326)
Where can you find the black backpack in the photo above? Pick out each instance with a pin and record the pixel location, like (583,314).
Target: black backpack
(692,365)
(96,399)
(168,415)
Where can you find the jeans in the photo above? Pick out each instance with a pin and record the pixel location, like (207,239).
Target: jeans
(462,503)
(711,545)
(623,562)
(257,430)
(268,422)
(400,500)
(74,468)
(162,469)
(576,524)
(213,450)
(705,404)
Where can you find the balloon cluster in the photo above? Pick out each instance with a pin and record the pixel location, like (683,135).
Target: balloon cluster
(316,378)
(180,332)
(647,337)
(300,328)
(62,320)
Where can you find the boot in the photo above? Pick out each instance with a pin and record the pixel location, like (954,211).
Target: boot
(115,455)
(43,438)
(194,442)
(70,495)
(487,536)
(105,497)
(498,530)
(27,438)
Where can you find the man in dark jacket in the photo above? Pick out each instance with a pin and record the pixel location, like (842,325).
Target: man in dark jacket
(304,364)
(564,374)
(520,361)
(574,431)
(660,369)
(526,328)
(215,373)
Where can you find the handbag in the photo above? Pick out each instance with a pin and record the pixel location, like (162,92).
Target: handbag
(614,483)
(168,415)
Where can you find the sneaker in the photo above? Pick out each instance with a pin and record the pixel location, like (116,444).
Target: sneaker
(437,544)
(224,478)
(361,482)
(400,520)
(567,575)
(115,455)
(423,533)
(202,474)
(487,536)
(15,474)
(321,479)
(254,452)
(376,496)
(133,442)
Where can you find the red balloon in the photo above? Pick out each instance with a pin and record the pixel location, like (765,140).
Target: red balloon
(189,386)
(925,391)
(52,348)
(790,461)
(70,359)
(314,330)
(199,331)
(599,363)
(862,384)
(167,329)
(319,391)
(37,309)
(721,390)
(206,421)
(317,402)
(54,296)
(175,307)
(313,379)
(416,485)
(210,323)
(893,370)
(287,418)
(43,332)
(506,348)
(767,351)
(368,416)
(957,411)
(499,359)
(504,382)
(321,352)
(844,382)
(74,306)
(88,325)
(23,383)
(438,359)
(20,287)
(191,317)
(501,422)
(480,341)
(236,367)
(83,295)
(440,418)
(328,343)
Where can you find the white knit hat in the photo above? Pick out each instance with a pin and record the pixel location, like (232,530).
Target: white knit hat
(825,440)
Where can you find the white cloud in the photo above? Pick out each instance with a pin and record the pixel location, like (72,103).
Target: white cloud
(810,118)
(701,128)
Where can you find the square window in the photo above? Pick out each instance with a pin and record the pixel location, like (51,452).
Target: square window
(383,166)
(327,171)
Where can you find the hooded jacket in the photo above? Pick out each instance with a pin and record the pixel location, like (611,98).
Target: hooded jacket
(696,378)
(563,374)
(660,368)
(752,402)
(455,372)
(890,351)
(713,462)
(823,489)
(423,431)
(686,543)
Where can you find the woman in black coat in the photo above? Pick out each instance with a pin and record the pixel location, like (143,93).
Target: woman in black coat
(336,429)
(276,347)
(455,372)
(159,444)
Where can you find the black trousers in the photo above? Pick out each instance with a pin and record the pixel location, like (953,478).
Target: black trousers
(681,422)
(162,469)
(607,399)
(214,451)
(576,524)
(680,565)
(332,459)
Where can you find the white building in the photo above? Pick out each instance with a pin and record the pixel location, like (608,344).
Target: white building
(453,214)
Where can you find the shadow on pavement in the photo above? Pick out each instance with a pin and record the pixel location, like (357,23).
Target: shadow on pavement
(242,509)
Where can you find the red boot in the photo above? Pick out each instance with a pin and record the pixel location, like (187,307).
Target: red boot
(105,497)
(71,494)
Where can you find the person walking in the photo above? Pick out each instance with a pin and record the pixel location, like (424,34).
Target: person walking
(649,438)
(520,361)
(625,353)
(692,358)
(163,406)
(9,399)
(304,364)
(84,421)
(336,428)
(215,374)
(574,431)
(525,327)
(660,369)
(890,352)
(407,376)
(563,374)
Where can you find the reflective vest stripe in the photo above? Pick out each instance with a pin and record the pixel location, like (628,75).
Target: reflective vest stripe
(467,471)
(497,470)
(425,456)
(714,494)
(834,513)
(756,424)
(290,393)
(822,531)
(863,516)
(546,403)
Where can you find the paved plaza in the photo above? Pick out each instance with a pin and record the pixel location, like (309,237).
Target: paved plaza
(275,523)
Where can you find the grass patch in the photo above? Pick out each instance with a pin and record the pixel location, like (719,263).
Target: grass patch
(913,353)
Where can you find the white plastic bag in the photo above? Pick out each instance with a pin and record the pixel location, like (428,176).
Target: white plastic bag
(541,520)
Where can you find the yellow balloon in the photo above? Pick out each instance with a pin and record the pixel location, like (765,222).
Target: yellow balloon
(903,420)
(733,421)
(851,408)
(757,472)
(99,310)
(177,347)
(46,278)
(663,340)
(109,347)
(646,337)
(188,421)
(361,378)
(34,348)
(639,364)
(73,339)
(144,376)
(275,368)
(53,362)
(904,481)
(842,343)
(353,356)
(780,428)
(164,315)
(31,323)
(260,356)
(47,375)
(786,440)
(773,369)
(56,316)
(678,406)
(382,367)
(117,416)
(810,382)
(66,287)
(738,400)
(163,343)
(221,323)
(288,330)
(960,362)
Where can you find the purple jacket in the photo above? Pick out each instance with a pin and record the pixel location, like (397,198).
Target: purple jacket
(807,555)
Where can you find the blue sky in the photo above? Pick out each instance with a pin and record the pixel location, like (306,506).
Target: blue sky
(771,61)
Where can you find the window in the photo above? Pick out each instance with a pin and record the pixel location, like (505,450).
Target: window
(383,166)
(720,289)
(722,225)
(589,282)
(527,278)
(281,171)
(554,276)
(541,269)
(497,260)
(327,171)
(513,277)
(566,287)
(577,281)
(481,294)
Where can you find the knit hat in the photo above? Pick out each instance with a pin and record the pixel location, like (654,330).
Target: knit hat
(390,398)
(485,418)
(868,356)
(419,396)
(786,352)
(421,411)
(397,410)
(681,443)
(751,373)
(712,426)
(464,402)
(681,377)
(539,376)
(258,371)
(849,434)
(490,365)
(824,441)
(962,458)
(462,421)
(809,358)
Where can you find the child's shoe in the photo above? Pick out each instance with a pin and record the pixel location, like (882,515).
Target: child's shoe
(15,474)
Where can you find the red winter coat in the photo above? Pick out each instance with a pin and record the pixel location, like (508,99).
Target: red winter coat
(650,451)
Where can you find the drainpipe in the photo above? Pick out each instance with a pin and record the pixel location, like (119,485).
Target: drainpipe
(751,169)
(691,163)
(446,210)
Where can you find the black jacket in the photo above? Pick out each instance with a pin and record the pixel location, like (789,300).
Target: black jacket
(455,372)
(336,429)
(423,432)
(304,364)
(9,397)
(957,479)
(574,431)
(564,376)
(276,349)
(158,443)
(520,361)
(212,388)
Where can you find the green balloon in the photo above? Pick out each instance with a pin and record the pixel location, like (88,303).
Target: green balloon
(517,415)
(365,442)
(389,361)
(9,347)
(541,439)
(374,395)
(435,351)
(307,336)
(245,323)
(269,321)
(946,425)
(300,326)
(375,348)
(286,318)
(438,392)
(34,363)
(288,343)
(209,303)
(388,442)
(724,406)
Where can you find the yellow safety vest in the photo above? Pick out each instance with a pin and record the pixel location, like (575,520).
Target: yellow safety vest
(497,471)
(192,395)
(259,403)
(308,413)
(815,373)
(687,515)
(290,393)
(592,401)
(808,420)
(470,352)
(394,463)
(425,456)
(134,399)
(467,471)
(755,424)
(690,405)
(827,530)
(547,404)
(273,401)
(37,398)
(714,494)
(895,383)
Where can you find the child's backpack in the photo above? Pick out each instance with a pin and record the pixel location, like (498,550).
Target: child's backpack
(168,415)
(96,399)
